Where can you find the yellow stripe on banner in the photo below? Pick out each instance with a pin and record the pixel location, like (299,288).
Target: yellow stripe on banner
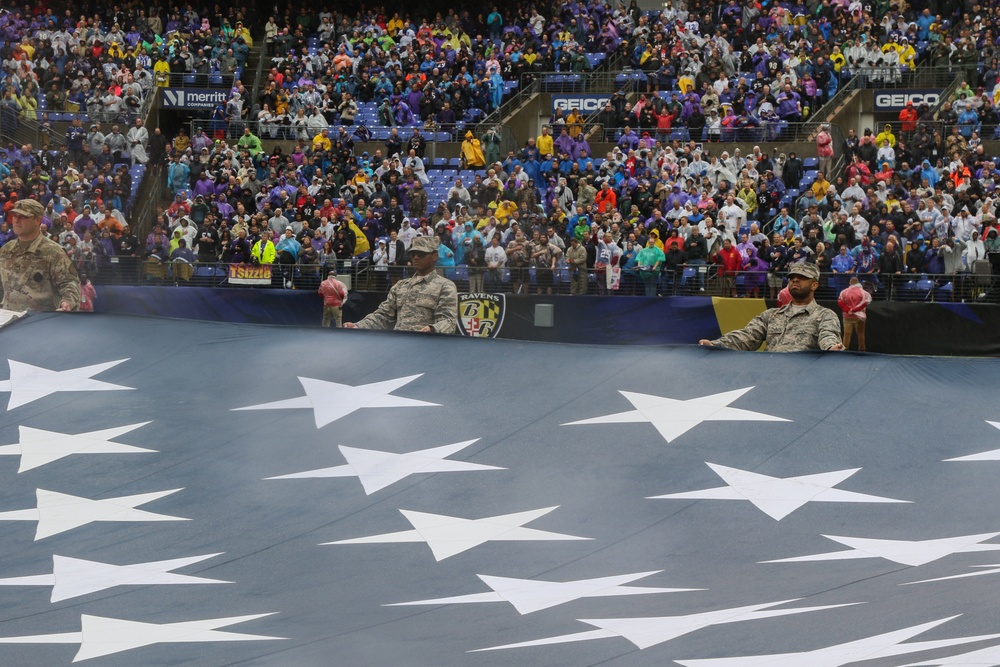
(732,314)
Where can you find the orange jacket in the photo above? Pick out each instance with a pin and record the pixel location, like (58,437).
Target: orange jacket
(908,117)
(606,200)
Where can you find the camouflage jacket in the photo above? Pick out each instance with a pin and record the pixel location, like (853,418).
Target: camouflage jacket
(415,303)
(811,328)
(38,276)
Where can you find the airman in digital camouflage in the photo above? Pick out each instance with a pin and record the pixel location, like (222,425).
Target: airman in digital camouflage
(800,325)
(426,302)
(35,273)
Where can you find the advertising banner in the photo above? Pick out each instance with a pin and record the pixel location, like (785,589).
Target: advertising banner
(248,274)
(895,99)
(193,99)
(586,104)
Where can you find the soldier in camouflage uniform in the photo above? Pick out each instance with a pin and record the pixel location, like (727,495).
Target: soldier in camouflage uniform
(800,325)
(426,302)
(576,258)
(35,273)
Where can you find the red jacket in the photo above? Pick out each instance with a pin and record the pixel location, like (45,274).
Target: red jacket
(333,291)
(606,202)
(730,261)
(908,117)
(853,301)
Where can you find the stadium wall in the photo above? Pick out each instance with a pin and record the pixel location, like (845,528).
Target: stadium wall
(955,329)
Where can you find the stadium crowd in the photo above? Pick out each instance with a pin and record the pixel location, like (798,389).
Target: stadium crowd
(515,220)
(104,66)
(713,70)
(421,71)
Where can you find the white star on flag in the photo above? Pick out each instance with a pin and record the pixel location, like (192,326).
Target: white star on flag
(871,648)
(449,535)
(37,447)
(984,657)
(330,401)
(992,455)
(100,636)
(647,632)
(905,552)
(377,469)
(58,512)
(74,577)
(530,595)
(29,383)
(980,573)
(673,418)
(780,496)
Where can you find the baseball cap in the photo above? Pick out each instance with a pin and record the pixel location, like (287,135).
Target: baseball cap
(428,244)
(29,208)
(804,269)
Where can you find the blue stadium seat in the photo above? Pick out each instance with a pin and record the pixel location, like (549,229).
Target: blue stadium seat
(924,286)
(688,274)
(810,163)
(908,290)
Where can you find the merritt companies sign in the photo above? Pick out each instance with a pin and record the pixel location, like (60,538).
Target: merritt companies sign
(186,98)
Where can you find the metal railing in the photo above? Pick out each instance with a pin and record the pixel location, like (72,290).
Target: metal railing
(144,220)
(532,83)
(593,81)
(196,80)
(31,131)
(922,76)
(979,285)
(152,270)
(592,122)
(519,96)
(258,76)
(267,131)
(761,131)
(961,76)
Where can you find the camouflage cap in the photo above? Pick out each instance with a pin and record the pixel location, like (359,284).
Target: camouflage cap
(29,208)
(804,269)
(424,244)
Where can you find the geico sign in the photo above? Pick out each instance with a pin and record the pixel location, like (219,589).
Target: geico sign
(887,100)
(581,103)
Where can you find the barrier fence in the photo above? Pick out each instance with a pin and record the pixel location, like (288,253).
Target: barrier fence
(979,285)
(748,130)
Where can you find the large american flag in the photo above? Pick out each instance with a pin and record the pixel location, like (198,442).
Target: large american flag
(219,494)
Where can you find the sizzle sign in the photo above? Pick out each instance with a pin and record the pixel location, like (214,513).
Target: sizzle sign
(248,274)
